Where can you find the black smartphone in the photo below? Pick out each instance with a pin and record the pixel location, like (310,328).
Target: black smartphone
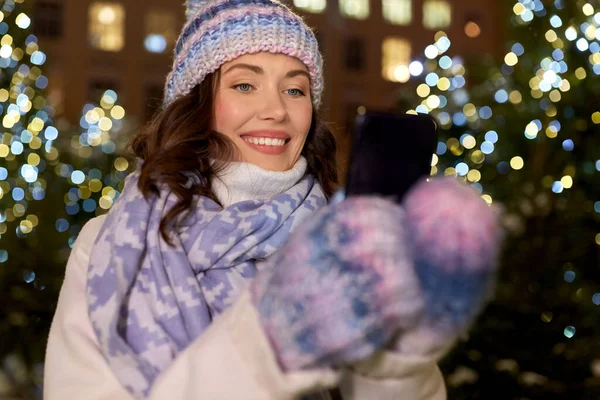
(390,153)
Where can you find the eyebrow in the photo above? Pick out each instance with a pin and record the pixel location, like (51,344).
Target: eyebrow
(258,70)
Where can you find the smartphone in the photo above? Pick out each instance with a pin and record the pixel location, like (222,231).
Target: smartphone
(390,153)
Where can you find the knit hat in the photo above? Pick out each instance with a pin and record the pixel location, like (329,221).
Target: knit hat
(219,31)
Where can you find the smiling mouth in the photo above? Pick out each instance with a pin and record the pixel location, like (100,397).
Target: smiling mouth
(266,141)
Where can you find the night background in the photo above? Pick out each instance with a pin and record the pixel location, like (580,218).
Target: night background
(514,85)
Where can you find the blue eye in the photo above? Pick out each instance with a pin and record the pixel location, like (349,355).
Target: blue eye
(295,92)
(243,87)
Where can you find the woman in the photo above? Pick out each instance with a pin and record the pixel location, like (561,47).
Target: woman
(221,273)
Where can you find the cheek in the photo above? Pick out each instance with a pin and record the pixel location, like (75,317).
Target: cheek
(227,116)
(302,119)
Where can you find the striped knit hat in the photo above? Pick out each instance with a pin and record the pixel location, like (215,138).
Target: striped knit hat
(219,31)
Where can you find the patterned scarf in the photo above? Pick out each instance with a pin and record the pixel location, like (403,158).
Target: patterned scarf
(148,301)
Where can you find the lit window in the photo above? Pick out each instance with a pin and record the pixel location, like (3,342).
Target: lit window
(398,12)
(358,9)
(395,59)
(436,14)
(107,26)
(160,31)
(313,6)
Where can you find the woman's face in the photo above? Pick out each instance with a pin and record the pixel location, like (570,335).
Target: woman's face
(262,103)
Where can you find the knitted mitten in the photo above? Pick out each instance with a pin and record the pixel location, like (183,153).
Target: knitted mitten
(341,286)
(454,240)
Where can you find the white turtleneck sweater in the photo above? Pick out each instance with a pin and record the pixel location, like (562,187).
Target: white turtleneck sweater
(232,359)
(241,181)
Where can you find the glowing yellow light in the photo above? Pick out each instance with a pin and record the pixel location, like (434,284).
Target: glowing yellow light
(474,175)
(596,117)
(6,51)
(598,239)
(361,110)
(401,73)
(23,21)
(565,86)
(558,44)
(477,157)
(108,191)
(567,182)
(84,192)
(590,32)
(4,149)
(443,84)
(588,9)
(551,36)
(92,117)
(534,82)
(433,171)
(33,159)
(95,185)
(423,90)
(511,59)
(117,112)
(469,142)
(18,210)
(52,155)
(537,94)
(26,226)
(438,35)
(36,125)
(7,40)
(487,198)
(107,15)
(580,73)
(35,143)
(105,124)
(33,219)
(472,30)
(515,97)
(519,9)
(531,129)
(121,164)
(105,202)
(551,111)
(433,101)
(450,172)
(551,133)
(555,96)
(469,109)
(3,93)
(434,160)
(517,163)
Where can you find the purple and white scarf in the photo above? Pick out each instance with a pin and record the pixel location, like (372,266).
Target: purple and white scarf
(148,301)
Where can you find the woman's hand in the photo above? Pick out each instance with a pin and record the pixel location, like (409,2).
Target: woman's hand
(454,239)
(340,288)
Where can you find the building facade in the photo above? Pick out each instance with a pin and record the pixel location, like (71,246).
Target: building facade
(127,45)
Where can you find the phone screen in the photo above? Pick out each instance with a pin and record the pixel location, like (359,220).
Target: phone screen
(390,153)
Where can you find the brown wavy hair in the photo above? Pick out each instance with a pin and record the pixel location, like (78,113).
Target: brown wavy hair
(179,141)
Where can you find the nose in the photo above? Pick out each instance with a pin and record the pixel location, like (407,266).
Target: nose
(272,107)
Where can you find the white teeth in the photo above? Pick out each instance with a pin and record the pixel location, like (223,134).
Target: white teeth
(265,141)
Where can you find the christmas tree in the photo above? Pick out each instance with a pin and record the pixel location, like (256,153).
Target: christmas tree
(53,178)
(524,133)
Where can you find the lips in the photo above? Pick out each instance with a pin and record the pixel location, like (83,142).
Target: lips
(267,142)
